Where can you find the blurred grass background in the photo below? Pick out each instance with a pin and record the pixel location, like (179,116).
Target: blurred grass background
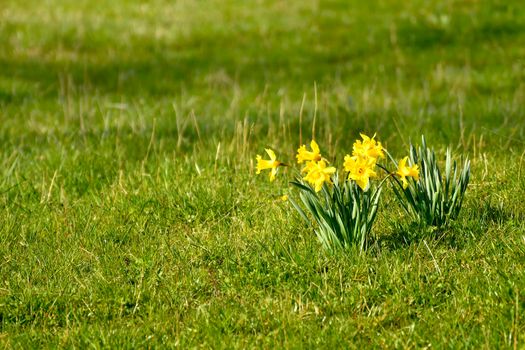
(130,212)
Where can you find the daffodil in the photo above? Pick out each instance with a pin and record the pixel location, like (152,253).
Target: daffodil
(304,155)
(360,169)
(273,163)
(403,171)
(368,147)
(318,174)
(309,166)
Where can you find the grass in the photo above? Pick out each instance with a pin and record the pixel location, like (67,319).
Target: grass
(130,214)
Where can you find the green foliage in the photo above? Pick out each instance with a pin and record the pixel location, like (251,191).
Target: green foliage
(128,215)
(344,214)
(436,198)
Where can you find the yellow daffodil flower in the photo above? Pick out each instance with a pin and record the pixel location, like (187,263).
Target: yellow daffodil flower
(309,166)
(272,164)
(360,169)
(403,171)
(318,174)
(304,155)
(368,147)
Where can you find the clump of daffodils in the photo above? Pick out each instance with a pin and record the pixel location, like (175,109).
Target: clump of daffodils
(359,166)
(342,203)
(436,197)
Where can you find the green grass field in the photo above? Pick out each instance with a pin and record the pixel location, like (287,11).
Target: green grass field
(130,212)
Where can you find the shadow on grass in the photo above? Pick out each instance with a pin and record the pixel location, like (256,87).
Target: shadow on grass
(147,65)
(498,214)
(404,235)
(159,72)
(455,235)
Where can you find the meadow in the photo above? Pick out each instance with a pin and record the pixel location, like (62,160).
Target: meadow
(130,212)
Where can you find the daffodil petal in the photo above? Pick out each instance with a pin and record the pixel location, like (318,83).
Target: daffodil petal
(271,153)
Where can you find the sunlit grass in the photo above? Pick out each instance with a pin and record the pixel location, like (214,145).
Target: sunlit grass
(130,213)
